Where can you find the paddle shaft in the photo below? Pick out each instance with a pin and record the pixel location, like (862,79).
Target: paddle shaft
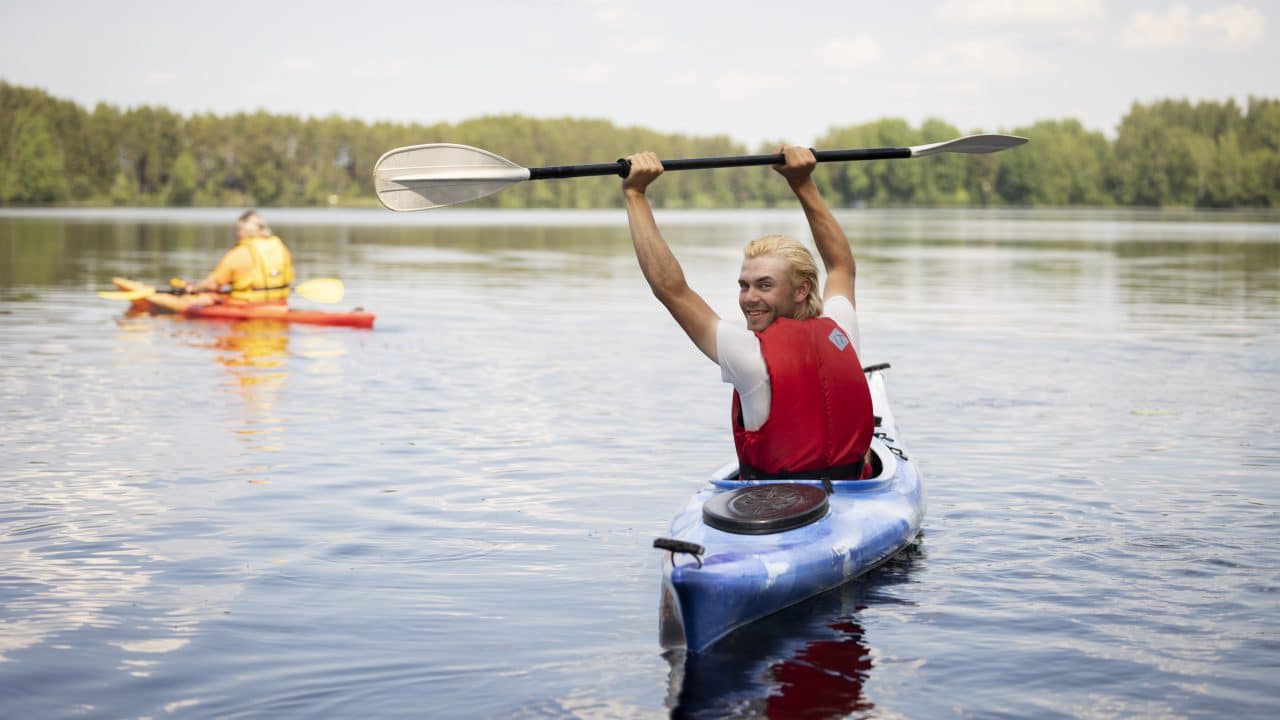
(223,290)
(622,167)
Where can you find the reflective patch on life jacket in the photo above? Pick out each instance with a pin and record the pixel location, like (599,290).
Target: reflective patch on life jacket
(839,339)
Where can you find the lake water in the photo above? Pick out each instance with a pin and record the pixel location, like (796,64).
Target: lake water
(451,515)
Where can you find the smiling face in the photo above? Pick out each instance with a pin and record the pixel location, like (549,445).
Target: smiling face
(766,293)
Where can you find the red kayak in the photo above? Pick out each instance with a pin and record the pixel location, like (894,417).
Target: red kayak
(212,306)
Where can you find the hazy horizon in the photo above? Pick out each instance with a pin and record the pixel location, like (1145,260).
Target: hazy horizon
(703,69)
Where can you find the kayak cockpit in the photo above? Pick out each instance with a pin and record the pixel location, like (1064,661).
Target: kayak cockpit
(884,466)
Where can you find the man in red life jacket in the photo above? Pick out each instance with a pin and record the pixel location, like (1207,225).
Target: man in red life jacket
(801,406)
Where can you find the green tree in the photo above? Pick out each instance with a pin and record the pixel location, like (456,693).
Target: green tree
(124,191)
(1064,164)
(33,168)
(1166,153)
(184,180)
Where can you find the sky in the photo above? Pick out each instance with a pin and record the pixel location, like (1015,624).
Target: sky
(756,72)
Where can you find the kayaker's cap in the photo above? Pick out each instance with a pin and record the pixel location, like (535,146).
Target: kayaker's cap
(765,509)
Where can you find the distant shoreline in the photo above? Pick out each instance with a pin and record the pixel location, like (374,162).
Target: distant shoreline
(614,217)
(1168,153)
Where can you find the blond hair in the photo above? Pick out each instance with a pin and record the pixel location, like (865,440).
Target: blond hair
(800,267)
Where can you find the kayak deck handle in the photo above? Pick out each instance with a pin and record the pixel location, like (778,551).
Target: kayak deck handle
(681,546)
(875,368)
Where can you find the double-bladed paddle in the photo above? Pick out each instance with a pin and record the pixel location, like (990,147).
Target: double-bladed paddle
(321,290)
(421,177)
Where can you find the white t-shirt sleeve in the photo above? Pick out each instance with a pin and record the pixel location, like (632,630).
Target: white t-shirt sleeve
(841,310)
(742,365)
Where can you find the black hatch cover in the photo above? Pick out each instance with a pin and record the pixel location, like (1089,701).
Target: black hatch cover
(765,509)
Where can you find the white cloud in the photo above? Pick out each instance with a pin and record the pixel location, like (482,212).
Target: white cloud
(375,69)
(737,86)
(1020,11)
(1236,26)
(1149,30)
(684,78)
(978,59)
(588,74)
(611,13)
(298,64)
(1240,26)
(641,46)
(157,77)
(848,54)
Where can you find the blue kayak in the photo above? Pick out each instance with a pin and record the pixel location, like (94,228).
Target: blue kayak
(723,569)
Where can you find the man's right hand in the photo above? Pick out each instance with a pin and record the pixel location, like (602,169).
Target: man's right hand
(645,168)
(798,165)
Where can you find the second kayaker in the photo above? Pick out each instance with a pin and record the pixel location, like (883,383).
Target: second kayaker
(801,405)
(259,269)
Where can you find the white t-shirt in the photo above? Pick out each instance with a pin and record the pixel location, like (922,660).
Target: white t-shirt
(742,363)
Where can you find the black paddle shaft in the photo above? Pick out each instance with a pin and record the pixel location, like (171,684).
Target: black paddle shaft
(622,167)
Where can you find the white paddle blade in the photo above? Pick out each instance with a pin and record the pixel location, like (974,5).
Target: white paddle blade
(422,177)
(974,144)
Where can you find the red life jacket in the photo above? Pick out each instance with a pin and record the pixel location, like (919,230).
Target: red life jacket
(820,415)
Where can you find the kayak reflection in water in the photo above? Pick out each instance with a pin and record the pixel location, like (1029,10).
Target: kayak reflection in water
(259,269)
(811,660)
(260,344)
(821,679)
(256,354)
(796,361)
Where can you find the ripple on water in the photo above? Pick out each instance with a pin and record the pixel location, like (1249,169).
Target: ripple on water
(424,550)
(451,515)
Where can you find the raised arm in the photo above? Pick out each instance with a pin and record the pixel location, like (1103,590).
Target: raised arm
(829,237)
(661,269)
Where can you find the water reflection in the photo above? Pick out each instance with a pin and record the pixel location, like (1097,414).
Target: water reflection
(254,353)
(811,660)
(323,522)
(253,344)
(65,574)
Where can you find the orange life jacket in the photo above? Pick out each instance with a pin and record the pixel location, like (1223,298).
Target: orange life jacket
(272,274)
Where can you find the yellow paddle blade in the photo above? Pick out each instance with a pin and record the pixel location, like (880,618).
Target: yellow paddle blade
(177,283)
(322,290)
(129,295)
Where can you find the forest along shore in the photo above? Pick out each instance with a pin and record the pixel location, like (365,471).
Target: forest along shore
(1169,153)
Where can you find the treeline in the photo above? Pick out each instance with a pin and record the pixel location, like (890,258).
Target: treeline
(1170,153)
